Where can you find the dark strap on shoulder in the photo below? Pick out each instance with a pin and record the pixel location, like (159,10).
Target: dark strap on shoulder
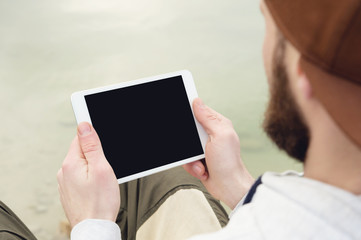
(252,191)
(11,227)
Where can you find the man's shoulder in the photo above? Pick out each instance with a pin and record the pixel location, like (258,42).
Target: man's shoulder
(288,204)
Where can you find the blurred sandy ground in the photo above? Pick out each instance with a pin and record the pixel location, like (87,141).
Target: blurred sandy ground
(49,49)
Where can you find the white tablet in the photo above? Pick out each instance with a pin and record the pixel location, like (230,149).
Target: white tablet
(145,126)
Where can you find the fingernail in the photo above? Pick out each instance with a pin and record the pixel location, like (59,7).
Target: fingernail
(201,104)
(197,170)
(84,129)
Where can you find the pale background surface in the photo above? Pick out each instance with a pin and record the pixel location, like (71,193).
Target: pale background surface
(49,49)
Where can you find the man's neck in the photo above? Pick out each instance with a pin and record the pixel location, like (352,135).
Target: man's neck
(332,158)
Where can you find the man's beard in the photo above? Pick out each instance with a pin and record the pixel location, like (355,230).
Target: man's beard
(283,120)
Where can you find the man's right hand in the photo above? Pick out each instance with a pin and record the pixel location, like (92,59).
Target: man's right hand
(224,175)
(87,184)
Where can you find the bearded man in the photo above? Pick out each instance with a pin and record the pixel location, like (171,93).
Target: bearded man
(312,56)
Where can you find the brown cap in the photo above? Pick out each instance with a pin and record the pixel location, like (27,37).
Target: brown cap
(327,33)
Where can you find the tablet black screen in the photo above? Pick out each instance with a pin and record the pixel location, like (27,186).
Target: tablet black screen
(145,126)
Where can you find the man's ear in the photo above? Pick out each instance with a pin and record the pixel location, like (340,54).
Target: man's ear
(303,83)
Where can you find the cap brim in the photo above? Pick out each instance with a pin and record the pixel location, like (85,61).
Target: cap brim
(340,97)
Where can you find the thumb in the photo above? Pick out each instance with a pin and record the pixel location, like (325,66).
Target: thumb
(89,142)
(196,169)
(207,117)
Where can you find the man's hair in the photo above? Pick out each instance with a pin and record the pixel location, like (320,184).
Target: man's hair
(327,34)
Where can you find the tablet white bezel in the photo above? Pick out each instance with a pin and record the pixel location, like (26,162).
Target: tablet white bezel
(82,114)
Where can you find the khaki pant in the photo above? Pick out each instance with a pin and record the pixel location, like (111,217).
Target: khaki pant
(11,227)
(168,205)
